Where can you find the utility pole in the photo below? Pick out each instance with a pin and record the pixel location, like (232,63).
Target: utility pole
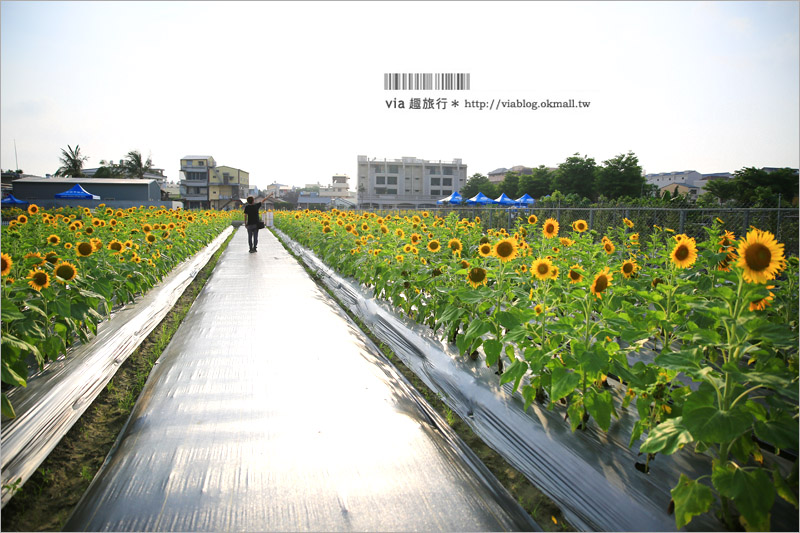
(16,161)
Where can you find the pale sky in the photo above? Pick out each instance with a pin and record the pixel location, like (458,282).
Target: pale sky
(293,91)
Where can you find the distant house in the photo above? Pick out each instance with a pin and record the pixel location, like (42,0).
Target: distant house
(681,188)
(122,193)
(497,175)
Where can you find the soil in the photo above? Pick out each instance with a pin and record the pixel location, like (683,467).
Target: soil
(46,500)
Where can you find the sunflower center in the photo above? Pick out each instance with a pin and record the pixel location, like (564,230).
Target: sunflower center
(627,268)
(65,272)
(601,284)
(542,269)
(40,278)
(549,228)
(574,275)
(505,249)
(477,275)
(85,248)
(757,256)
(682,253)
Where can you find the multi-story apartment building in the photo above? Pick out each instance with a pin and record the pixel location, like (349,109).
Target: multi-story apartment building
(407,183)
(194,180)
(227,186)
(204,185)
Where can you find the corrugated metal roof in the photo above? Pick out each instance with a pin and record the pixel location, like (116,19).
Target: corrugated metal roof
(97,181)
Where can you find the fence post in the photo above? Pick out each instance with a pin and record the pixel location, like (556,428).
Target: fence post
(591,218)
(682,222)
(778,229)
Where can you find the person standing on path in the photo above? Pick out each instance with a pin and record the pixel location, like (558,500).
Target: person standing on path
(251,218)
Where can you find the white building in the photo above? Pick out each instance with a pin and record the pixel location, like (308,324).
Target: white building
(691,179)
(407,183)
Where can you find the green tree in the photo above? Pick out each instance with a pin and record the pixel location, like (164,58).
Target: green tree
(508,186)
(620,176)
(475,184)
(748,180)
(723,189)
(577,175)
(71,162)
(134,166)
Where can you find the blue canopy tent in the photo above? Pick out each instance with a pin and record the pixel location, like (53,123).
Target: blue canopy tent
(525,200)
(12,200)
(454,198)
(77,192)
(504,200)
(480,199)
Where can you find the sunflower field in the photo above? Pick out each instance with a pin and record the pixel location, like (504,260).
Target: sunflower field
(703,334)
(63,271)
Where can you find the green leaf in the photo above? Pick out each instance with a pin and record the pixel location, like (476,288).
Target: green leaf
(11,377)
(477,328)
(492,347)
(594,360)
(682,361)
(600,406)
(783,489)
(691,499)
(514,372)
(667,437)
(10,311)
(707,422)
(781,430)
(506,319)
(563,382)
(7,408)
(751,490)
(575,413)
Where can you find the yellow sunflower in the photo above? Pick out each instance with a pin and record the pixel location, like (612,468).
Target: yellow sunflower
(608,246)
(628,268)
(574,274)
(455,245)
(53,239)
(65,271)
(415,237)
(538,309)
(684,254)
(542,268)
(566,242)
(39,279)
(580,226)
(84,249)
(22,219)
(407,248)
(51,257)
(550,228)
(485,249)
(532,220)
(33,209)
(400,233)
(115,246)
(506,250)
(601,282)
(434,246)
(760,256)
(627,222)
(760,305)
(7,264)
(476,277)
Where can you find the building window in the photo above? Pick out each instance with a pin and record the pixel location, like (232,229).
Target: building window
(435,192)
(380,190)
(391,191)
(201,163)
(379,168)
(436,181)
(445,192)
(393,169)
(392,180)
(380,180)
(447,182)
(431,170)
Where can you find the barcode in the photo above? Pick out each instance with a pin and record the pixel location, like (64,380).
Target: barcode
(426,82)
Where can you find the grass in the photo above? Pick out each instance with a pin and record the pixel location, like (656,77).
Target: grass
(46,500)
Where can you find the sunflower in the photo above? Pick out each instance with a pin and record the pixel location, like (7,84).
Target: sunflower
(97,243)
(485,249)
(407,248)
(51,257)
(384,229)
(532,220)
(364,226)
(601,282)
(68,245)
(455,245)
(33,209)
(506,250)
(542,268)
(574,274)
(608,246)
(554,272)
(84,249)
(164,235)
(476,277)
(538,309)
(550,228)
(7,264)
(40,260)
(566,242)
(434,246)
(116,246)
(22,219)
(89,230)
(400,233)
(415,219)
(65,271)
(399,258)
(628,268)
(760,305)
(580,225)
(150,238)
(39,279)
(634,238)
(760,256)
(685,253)
(627,222)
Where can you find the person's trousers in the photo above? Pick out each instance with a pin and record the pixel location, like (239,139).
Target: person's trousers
(252,236)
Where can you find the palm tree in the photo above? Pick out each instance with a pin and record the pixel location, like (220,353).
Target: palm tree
(71,162)
(134,166)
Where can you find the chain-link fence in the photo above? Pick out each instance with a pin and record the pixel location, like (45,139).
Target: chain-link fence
(783,222)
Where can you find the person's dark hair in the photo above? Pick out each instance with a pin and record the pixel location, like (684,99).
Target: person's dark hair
(249,199)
